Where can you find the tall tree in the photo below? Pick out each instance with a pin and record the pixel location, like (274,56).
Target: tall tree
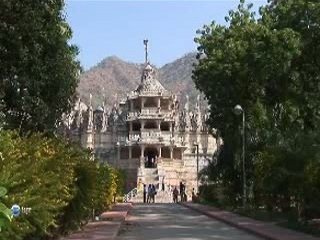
(270,66)
(39,73)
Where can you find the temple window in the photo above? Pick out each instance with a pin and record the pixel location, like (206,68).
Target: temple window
(124,153)
(165,152)
(151,102)
(136,152)
(165,126)
(136,126)
(151,125)
(177,154)
(164,104)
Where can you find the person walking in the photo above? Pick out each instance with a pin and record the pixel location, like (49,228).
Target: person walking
(163,183)
(145,191)
(194,198)
(154,192)
(181,191)
(149,196)
(175,194)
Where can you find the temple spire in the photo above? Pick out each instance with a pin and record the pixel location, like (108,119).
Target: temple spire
(145,42)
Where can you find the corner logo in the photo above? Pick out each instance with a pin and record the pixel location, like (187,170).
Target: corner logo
(15,210)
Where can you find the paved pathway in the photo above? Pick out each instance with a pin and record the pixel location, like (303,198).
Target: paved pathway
(173,221)
(105,229)
(266,230)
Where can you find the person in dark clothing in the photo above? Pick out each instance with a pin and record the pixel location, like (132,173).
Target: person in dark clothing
(182,189)
(154,193)
(175,194)
(162,183)
(194,197)
(145,190)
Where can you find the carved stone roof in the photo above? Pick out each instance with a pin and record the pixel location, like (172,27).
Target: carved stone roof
(149,82)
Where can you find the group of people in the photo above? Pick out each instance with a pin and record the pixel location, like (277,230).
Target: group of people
(183,195)
(149,193)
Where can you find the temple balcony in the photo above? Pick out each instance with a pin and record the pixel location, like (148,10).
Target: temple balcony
(149,113)
(150,136)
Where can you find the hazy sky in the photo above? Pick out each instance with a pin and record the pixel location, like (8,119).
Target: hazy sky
(106,28)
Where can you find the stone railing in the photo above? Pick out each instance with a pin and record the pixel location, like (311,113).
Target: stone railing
(127,197)
(148,93)
(150,136)
(165,136)
(134,136)
(134,114)
(150,111)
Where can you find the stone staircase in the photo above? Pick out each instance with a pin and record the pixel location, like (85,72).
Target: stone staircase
(151,176)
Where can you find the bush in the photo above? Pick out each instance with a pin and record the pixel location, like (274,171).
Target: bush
(57,180)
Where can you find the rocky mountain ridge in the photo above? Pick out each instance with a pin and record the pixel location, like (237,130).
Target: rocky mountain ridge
(114,78)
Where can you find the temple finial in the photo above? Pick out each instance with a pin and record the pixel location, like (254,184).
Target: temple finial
(145,42)
(90,99)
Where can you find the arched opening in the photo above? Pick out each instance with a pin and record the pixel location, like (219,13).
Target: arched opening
(151,157)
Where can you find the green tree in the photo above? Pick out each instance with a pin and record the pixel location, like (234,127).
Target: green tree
(5,213)
(270,66)
(39,73)
(237,65)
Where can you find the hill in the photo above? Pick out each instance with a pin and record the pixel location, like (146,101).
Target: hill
(115,78)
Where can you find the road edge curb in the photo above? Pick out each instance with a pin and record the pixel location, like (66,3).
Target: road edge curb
(117,231)
(231,223)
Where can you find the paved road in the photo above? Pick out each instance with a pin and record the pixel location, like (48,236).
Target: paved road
(172,221)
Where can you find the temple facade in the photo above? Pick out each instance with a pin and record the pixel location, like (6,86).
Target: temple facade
(148,135)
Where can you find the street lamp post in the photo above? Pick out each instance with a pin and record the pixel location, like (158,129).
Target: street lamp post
(118,154)
(239,110)
(197,149)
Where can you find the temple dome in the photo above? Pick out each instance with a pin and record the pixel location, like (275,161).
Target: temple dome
(149,82)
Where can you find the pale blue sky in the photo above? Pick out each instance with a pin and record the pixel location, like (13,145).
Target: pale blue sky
(106,28)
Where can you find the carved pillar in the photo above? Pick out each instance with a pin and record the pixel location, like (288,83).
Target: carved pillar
(159,150)
(170,126)
(130,152)
(130,124)
(142,152)
(143,100)
(171,153)
(142,125)
(159,125)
